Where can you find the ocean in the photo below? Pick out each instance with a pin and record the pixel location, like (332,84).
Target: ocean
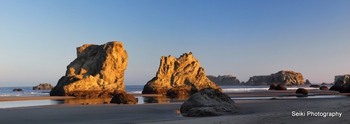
(133,89)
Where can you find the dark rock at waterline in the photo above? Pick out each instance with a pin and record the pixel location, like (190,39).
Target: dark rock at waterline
(315,86)
(277,87)
(17,90)
(273,86)
(301,91)
(208,102)
(123,98)
(324,88)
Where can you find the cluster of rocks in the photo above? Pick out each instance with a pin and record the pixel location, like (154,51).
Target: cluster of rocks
(224,80)
(285,77)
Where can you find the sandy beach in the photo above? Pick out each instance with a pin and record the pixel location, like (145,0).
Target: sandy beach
(261,111)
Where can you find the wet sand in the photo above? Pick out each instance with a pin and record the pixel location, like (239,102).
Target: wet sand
(276,111)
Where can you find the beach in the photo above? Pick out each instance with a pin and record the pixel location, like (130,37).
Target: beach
(277,110)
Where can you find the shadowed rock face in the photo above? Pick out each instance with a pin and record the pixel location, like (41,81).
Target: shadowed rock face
(224,80)
(178,76)
(282,77)
(97,71)
(341,84)
(208,102)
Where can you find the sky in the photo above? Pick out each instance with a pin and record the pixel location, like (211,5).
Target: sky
(244,38)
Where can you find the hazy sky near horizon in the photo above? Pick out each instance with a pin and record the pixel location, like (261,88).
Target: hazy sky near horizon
(239,37)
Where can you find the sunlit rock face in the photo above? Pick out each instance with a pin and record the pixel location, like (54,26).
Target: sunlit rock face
(97,71)
(285,77)
(178,77)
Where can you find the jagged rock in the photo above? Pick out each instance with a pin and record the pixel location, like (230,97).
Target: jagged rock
(324,83)
(45,86)
(123,98)
(307,82)
(341,84)
(284,77)
(208,102)
(17,90)
(224,80)
(302,91)
(178,76)
(324,88)
(97,71)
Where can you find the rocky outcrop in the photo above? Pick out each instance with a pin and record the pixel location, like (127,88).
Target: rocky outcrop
(123,98)
(97,71)
(208,102)
(341,84)
(284,77)
(45,86)
(178,77)
(224,80)
(315,85)
(17,90)
(307,82)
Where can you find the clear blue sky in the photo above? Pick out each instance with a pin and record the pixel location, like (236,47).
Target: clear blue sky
(240,37)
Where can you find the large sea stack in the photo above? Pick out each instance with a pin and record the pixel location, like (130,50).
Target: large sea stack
(341,83)
(97,71)
(285,77)
(178,77)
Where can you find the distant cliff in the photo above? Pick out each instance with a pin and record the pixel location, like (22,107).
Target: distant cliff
(285,77)
(224,80)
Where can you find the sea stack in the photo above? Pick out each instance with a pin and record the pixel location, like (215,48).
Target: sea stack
(341,83)
(98,71)
(224,80)
(285,77)
(178,77)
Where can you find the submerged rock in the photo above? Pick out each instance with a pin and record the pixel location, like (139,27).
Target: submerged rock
(178,76)
(208,102)
(45,86)
(97,71)
(284,77)
(341,84)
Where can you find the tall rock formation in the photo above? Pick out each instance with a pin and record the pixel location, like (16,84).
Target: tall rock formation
(341,83)
(97,71)
(224,80)
(285,77)
(178,76)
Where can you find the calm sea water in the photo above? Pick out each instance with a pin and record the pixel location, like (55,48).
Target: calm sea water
(133,89)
